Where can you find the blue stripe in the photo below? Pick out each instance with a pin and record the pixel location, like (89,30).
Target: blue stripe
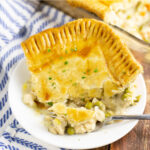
(4,38)
(3,101)
(21,34)
(22,130)
(3,81)
(3,58)
(13,61)
(34,22)
(9,16)
(12,147)
(9,147)
(30,3)
(14,124)
(5,78)
(44,15)
(25,29)
(6,27)
(23,142)
(23,7)
(47,22)
(5,117)
(3,146)
(62,21)
(17,12)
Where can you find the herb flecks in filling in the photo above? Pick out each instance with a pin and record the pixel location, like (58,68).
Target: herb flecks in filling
(49,50)
(74,49)
(96,70)
(66,51)
(53,83)
(74,84)
(60,57)
(66,62)
(64,70)
(50,103)
(50,78)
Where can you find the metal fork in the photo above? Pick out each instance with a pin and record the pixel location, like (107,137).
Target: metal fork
(125,117)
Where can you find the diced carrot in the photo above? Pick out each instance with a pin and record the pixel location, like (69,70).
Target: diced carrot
(147,6)
(142,13)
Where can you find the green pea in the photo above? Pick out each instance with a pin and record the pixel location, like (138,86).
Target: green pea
(50,103)
(96,70)
(127,94)
(88,105)
(50,78)
(100,105)
(137,99)
(124,96)
(66,62)
(70,131)
(108,114)
(127,90)
(49,50)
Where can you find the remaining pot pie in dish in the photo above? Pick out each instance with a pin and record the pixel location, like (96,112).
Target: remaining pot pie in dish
(131,15)
(81,73)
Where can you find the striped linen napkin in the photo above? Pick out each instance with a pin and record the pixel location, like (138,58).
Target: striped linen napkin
(19,19)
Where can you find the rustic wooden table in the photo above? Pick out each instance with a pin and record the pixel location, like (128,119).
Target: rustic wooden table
(139,137)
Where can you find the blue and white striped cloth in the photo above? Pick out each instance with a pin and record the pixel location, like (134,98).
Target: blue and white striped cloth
(19,19)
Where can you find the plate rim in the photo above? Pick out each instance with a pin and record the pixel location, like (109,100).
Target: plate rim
(68,146)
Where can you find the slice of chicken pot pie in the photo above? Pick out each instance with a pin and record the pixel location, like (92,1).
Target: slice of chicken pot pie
(81,73)
(131,15)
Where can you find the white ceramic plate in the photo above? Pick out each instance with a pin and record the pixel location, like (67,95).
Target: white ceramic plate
(33,122)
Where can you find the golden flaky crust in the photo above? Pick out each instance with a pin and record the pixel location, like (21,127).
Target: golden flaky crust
(94,6)
(98,7)
(120,62)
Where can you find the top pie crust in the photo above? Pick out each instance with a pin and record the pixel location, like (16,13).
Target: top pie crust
(80,42)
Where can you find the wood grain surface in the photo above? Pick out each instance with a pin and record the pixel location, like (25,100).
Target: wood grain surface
(139,137)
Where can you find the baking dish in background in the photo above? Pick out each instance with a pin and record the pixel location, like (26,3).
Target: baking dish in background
(133,42)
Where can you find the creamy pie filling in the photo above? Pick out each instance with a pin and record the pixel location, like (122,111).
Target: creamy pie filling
(133,16)
(80,115)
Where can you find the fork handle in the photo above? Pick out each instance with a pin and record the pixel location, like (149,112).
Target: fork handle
(131,117)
